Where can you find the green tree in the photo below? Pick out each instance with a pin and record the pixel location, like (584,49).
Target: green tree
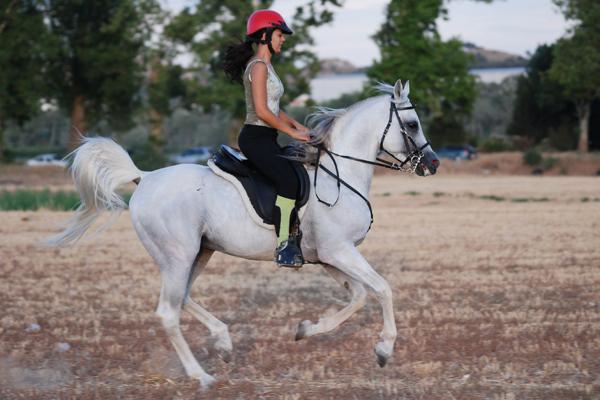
(213,24)
(97,72)
(166,90)
(492,108)
(577,61)
(411,49)
(541,110)
(586,12)
(24,51)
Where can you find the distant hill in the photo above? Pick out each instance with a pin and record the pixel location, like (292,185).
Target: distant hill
(483,58)
(335,66)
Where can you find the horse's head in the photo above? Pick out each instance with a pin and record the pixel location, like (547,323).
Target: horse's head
(404,135)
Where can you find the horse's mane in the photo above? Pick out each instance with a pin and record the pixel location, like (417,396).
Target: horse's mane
(321,123)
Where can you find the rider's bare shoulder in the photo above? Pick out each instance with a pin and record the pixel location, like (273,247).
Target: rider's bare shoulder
(258,71)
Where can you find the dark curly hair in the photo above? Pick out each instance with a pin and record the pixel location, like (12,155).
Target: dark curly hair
(237,55)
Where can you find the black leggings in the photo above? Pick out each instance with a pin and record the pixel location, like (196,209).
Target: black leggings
(259,144)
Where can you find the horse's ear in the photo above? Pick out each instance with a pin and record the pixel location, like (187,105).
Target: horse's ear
(401,92)
(398,89)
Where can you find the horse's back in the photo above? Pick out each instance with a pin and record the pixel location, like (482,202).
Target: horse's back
(186,194)
(182,203)
(167,191)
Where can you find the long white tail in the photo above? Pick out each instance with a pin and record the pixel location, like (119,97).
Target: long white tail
(100,166)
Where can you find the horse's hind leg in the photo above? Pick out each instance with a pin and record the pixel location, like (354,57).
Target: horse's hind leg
(172,293)
(329,323)
(176,259)
(218,329)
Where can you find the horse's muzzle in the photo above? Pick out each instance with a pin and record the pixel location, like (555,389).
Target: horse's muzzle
(428,165)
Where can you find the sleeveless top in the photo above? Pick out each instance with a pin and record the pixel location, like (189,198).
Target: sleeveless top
(274,92)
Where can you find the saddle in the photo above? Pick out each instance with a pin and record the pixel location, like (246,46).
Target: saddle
(259,189)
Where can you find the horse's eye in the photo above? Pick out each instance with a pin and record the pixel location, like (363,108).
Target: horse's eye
(412,125)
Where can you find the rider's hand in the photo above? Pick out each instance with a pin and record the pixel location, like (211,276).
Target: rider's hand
(299,135)
(299,126)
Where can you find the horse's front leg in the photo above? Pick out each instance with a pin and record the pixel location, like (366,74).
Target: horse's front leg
(329,323)
(348,259)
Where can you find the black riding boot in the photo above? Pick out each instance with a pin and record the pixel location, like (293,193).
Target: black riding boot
(289,252)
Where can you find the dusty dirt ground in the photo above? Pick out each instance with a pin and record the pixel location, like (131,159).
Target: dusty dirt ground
(495,283)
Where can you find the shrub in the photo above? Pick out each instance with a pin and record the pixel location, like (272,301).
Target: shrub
(532,158)
(32,200)
(494,144)
(492,197)
(147,156)
(29,152)
(24,200)
(549,162)
(8,156)
(562,138)
(522,143)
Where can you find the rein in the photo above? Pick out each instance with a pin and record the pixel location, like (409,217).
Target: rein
(414,158)
(339,182)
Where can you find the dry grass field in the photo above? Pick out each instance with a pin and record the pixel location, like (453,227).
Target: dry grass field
(496,292)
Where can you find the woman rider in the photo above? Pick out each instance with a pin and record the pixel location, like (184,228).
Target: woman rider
(258,138)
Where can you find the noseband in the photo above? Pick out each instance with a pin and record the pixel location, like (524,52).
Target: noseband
(414,156)
(407,165)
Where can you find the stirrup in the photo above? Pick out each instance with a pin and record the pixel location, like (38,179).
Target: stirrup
(289,253)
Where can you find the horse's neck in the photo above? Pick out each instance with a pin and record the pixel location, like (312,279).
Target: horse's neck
(354,136)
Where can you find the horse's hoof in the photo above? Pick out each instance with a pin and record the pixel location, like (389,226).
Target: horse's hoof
(381,359)
(224,355)
(302,329)
(206,381)
(224,348)
(382,355)
(213,385)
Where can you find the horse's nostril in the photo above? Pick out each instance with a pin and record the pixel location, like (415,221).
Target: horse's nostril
(435,163)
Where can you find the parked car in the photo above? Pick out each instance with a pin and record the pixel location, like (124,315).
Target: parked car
(465,152)
(193,155)
(47,159)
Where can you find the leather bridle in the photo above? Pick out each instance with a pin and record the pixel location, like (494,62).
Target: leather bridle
(413,159)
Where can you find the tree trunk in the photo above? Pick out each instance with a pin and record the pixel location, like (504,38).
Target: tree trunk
(583,110)
(78,125)
(156,118)
(53,132)
(156,137)
(234,132)
(1,140)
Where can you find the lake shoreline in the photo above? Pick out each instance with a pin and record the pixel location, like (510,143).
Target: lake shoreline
(331,86)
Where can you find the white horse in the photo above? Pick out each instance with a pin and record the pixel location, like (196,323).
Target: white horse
(184,213)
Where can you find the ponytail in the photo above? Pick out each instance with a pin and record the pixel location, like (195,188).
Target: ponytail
(236,57)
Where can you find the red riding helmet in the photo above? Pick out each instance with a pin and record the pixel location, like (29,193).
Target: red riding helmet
(260,19)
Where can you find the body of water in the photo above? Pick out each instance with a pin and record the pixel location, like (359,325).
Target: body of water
(496,75)
(333,86)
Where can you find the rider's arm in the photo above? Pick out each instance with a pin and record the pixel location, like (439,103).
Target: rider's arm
(292,121)
(259,97)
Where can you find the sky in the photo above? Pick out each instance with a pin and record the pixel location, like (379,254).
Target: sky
(514,26)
